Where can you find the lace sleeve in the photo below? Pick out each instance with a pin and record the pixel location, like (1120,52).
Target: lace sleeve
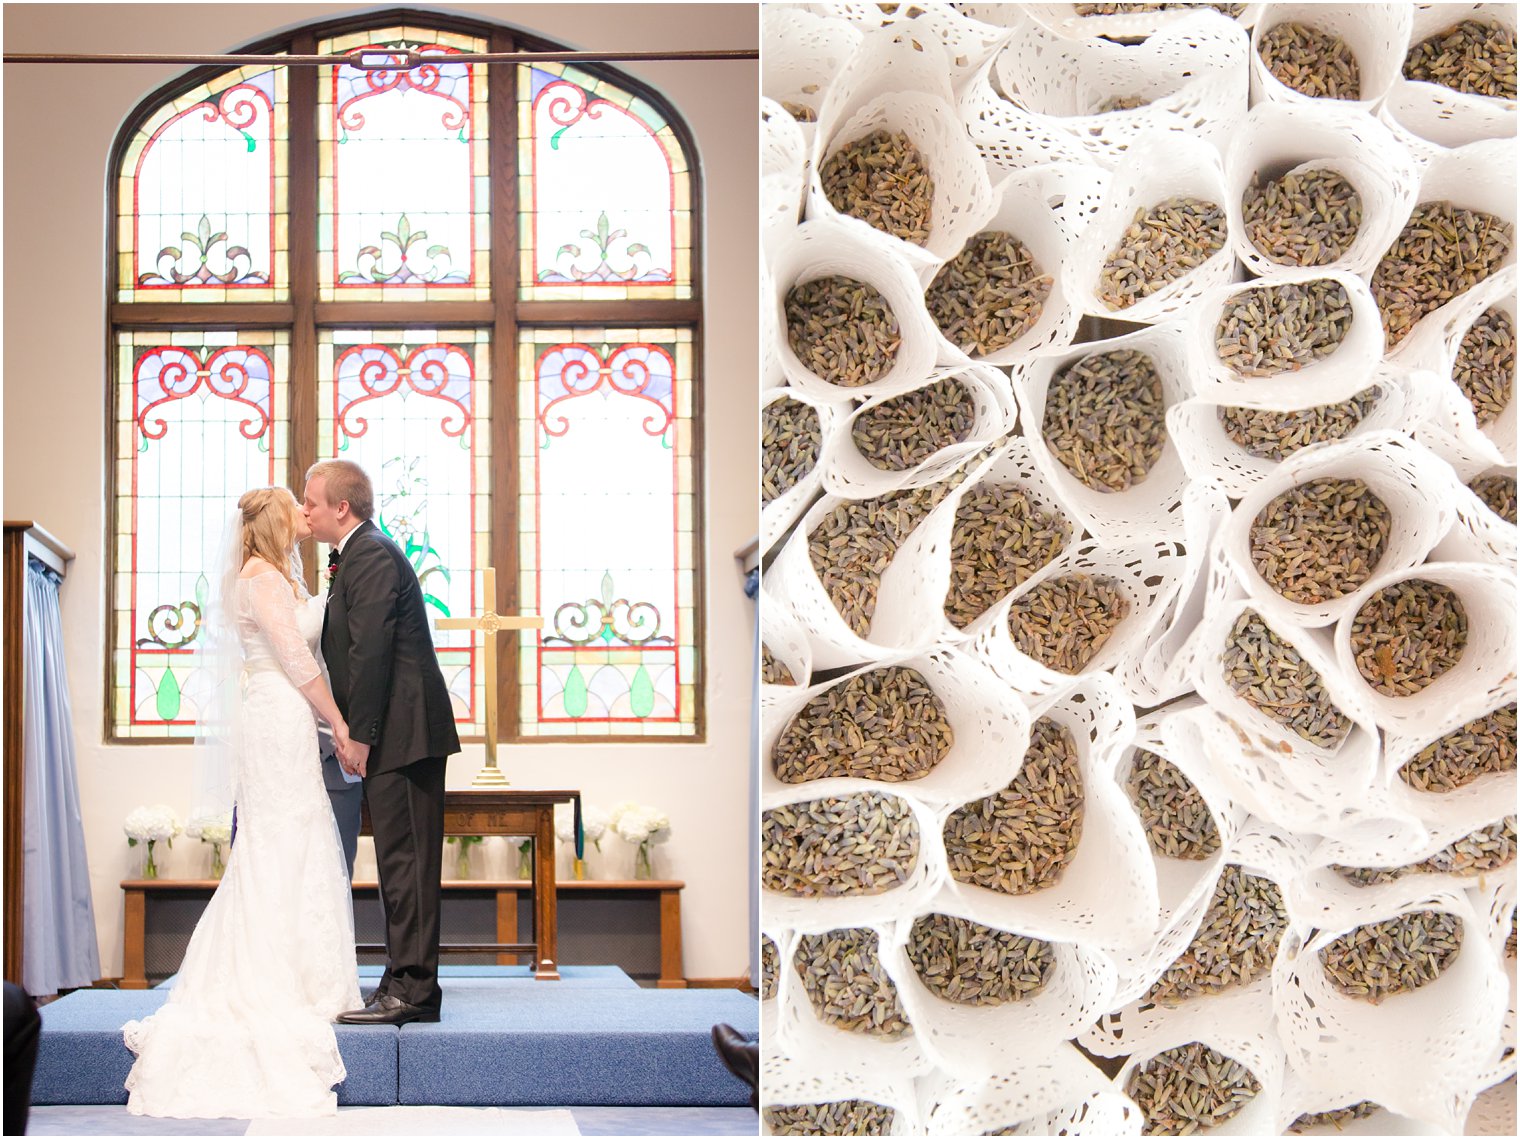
(274,611)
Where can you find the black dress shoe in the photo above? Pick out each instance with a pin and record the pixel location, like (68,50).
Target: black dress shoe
(739,1056)
(386,1009)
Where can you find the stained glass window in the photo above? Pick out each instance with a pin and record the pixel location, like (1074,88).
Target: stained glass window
(604,190)
(413,409)
(403,176)
(269,225)
(201,195)
(200,418)
(605,497)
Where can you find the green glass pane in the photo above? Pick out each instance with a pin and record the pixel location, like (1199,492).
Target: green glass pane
(168,696)
(575,694)
(641,695)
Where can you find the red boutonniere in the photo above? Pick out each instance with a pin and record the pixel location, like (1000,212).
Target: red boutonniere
(329,575)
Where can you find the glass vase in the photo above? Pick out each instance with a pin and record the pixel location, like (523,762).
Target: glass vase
(578,868)
(643,871)
(462,863)
(217,865)
(525,862)
(151,869)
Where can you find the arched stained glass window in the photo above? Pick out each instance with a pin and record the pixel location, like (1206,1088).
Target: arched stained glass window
(318,262)
(201,195)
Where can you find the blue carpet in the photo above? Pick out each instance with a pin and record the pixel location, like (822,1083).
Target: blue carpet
(532,1046)
(474,976)
(594,1038)
(81,1057)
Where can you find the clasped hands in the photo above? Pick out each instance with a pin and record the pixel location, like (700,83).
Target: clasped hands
(353,756)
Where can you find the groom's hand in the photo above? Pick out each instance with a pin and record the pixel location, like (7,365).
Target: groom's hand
(357,758)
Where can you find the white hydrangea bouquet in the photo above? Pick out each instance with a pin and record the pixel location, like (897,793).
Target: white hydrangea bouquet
(153,824)
(593,823)
(216,831)
(645,826)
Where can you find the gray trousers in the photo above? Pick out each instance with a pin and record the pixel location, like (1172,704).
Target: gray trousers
(347,799)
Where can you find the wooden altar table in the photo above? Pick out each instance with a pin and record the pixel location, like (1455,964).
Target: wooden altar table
(504,812)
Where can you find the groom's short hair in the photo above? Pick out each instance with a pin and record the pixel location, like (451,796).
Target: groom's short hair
(346,481)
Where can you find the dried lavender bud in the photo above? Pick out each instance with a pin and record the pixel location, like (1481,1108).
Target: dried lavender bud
(1001,539)
(790,436)
(1497,492)
(773,671)
(1121,103)
(900,433)
(770,968)
(837,1117)
(1189,1088)
(1320,540)
(1235,944)
(1303,219)
(1441,253)
(856,542)
(989,294)
(1231,10)
(1381,959)
(1161,245)
(1473,57)
(1064,621)
(1485,365)
(973,964)
(885,724)
(1173,812)
(842,330)
(1480,852)
(1479,747)
(884,181)
(1311,62)
(845,983)
(1407,634)
(1332,1118)
(850,845)
(1269,674)
(1021,839)
(799,111)
(1105,419)
(1278,434)
(1282,328)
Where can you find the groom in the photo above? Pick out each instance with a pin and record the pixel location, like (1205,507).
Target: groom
(387,684)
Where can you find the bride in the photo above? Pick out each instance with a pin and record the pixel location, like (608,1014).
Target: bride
(246,1031)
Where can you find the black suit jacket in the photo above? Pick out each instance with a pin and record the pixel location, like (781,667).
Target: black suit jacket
(379,652)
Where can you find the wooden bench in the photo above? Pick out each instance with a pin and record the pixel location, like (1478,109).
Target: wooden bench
(139,891)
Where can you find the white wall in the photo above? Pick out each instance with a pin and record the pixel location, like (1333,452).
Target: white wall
(59,125)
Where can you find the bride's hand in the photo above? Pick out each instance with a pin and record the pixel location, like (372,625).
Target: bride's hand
(341,741)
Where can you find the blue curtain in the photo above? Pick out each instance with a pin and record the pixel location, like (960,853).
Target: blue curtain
(752,591)
(59,950)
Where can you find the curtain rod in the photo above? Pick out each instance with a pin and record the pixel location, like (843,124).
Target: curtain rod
(398,59)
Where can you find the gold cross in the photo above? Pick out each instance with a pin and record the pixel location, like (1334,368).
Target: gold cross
(490,623)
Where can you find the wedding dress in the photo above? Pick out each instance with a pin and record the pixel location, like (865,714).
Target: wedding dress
(247,1030)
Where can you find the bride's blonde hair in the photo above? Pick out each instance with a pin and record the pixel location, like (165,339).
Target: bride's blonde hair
(269,529)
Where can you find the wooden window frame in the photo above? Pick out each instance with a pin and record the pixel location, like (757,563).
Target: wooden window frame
(303,315)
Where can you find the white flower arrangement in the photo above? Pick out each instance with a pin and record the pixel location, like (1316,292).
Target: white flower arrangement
(637,823)
(593,822)
(213,829)
(158,823)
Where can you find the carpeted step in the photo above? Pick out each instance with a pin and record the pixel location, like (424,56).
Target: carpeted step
(81,1057)
(576,1047)
(463,977)
(504,1040)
